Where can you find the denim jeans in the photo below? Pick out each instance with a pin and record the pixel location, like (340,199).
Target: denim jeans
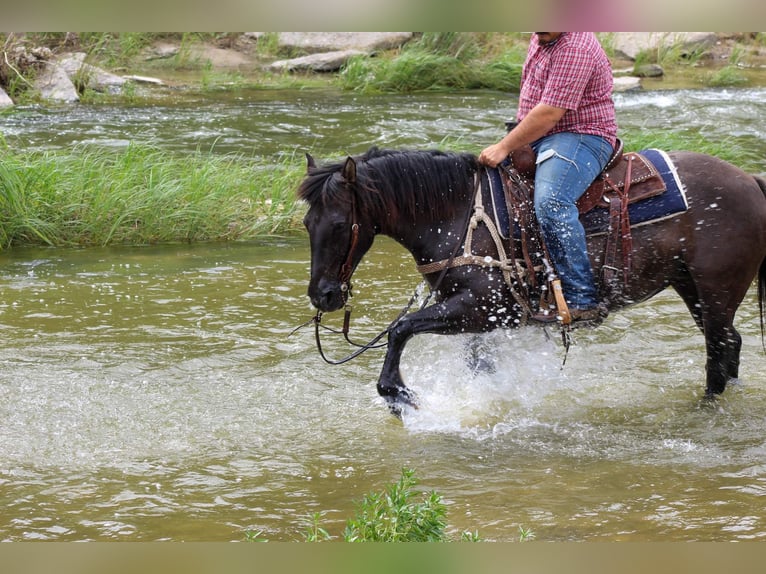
(567,163)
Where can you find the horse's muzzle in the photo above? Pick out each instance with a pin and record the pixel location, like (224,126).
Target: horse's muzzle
(327,296)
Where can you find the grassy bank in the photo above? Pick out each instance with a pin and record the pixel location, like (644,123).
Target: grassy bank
(142,195)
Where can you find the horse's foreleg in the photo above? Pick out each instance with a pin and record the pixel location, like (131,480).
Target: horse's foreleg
(442,318)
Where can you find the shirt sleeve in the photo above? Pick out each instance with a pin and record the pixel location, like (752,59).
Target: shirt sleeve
(570,72)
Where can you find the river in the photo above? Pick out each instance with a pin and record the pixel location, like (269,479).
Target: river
(157,393)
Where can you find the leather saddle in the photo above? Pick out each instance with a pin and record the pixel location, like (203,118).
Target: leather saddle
(629,174)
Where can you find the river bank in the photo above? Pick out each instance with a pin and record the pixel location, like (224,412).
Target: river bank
(72,67)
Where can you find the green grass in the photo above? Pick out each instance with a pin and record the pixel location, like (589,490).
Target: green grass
(394,516)
(142,195)
(437,61)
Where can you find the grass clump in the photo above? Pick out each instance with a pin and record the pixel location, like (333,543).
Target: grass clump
(141,195)
(393,516)
(437,61)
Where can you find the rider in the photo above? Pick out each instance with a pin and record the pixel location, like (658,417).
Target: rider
(567,114)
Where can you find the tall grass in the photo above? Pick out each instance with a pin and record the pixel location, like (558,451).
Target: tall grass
(142,195)
(436,61)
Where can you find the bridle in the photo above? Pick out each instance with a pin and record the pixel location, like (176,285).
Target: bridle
(347,269)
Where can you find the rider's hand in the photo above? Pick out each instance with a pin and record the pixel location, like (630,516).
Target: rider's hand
(493,154)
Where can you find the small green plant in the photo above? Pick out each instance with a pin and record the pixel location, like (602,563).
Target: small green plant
(393,516)
(314,532)
(468,536)
(254,536)
(526,534)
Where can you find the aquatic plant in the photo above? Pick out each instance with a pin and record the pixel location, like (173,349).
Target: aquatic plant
(392,516)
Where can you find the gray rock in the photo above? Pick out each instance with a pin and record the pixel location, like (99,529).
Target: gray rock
(90,76)
(5,100)
(649,71)
(145,80)
(338,41)
(626,84)
(630,44)
(160,51)
(324,62)
(54,84)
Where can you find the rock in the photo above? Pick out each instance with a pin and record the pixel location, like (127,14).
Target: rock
(630,44)
(160,51)
(145,80)
(219,57)
(649,71)
(89,76)
(5,100)
(54,84)
(626,84)
(324,62)
(337,41)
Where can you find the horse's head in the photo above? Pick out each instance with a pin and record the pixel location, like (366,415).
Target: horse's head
(338,233)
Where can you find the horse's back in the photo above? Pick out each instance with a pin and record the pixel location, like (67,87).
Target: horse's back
(721,190)
(725,225)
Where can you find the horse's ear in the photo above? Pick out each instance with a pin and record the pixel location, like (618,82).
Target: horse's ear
(310,160)
(349,170)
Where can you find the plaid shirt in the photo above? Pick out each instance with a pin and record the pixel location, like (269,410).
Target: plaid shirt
(572,73)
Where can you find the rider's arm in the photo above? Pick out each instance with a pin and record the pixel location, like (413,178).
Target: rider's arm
(539,121)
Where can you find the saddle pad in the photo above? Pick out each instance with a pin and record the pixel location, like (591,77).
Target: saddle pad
(672,202)
(596,221)
(491,179)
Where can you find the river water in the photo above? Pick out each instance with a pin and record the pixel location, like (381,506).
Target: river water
(156,393)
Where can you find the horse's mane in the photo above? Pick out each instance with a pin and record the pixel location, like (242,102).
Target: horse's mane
(398,183)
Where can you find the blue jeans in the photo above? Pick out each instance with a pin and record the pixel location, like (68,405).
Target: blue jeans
(567,163)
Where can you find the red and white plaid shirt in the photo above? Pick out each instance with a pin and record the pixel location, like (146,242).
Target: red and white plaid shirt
(572,73)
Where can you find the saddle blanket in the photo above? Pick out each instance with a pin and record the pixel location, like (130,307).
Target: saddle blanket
(596,221)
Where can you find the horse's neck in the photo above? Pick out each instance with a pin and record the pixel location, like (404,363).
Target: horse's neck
(428,242)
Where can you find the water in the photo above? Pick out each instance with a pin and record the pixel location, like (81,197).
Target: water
(327,123)
(155,393)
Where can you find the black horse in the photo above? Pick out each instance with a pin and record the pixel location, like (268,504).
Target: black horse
(710,253)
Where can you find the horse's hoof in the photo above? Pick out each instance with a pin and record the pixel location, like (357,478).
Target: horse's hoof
(397,403)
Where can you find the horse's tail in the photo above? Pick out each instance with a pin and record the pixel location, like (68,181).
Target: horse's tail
(762,299)
(762,278)
(761,183)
